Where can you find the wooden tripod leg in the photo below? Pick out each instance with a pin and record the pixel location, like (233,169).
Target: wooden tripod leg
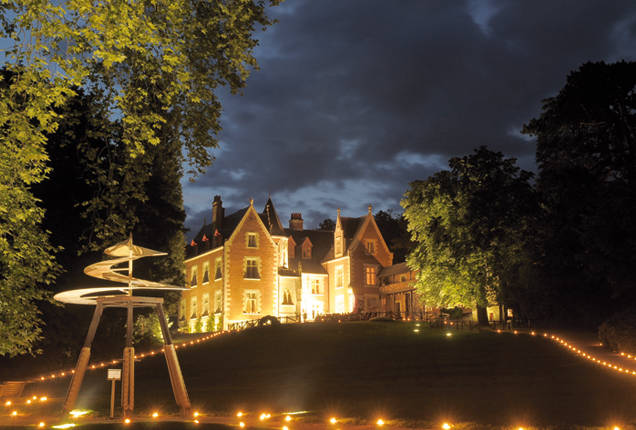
(128,372)
(82,361)
(174,370)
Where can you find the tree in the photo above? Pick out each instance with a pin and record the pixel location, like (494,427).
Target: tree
(467,225)
(327,224)
(155,65)
(586,155)
(394,229)
(26,256)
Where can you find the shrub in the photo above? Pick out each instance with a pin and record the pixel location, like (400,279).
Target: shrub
(618,332)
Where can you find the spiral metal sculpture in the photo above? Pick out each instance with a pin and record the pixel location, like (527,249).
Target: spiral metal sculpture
(122,297)
(125,252)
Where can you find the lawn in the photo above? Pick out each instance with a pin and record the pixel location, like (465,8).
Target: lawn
(370,369)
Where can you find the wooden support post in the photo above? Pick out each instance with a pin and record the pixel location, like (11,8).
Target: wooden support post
(174,370)
(82,361)
(128,371)
(112,398)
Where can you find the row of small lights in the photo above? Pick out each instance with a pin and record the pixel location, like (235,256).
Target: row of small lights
(584,354)
(64,373)
(333,420)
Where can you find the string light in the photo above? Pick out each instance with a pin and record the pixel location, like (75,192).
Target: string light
(239,414)
(127,421)
(155,414)
(379,422)
(41,424)
(288,418)
(241,424)
(93,366)
(446,426)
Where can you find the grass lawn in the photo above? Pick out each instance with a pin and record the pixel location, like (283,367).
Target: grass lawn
(370,369)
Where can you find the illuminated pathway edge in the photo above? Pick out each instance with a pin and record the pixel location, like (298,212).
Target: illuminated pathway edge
(280,421)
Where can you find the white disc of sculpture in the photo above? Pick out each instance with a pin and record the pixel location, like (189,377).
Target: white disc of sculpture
(125,252)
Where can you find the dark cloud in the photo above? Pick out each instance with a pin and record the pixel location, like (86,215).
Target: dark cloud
(355,99)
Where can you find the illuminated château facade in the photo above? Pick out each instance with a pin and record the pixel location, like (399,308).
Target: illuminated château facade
(247,265)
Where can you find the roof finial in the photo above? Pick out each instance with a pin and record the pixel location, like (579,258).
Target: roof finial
(370,209)
(251,201)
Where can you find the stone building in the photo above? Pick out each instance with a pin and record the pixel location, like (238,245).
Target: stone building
(246,265)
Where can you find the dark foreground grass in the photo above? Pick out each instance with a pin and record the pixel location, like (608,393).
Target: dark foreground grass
(370,369)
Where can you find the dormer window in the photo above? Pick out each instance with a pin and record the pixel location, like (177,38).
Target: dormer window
(252,240)
(370,247)
(338,246)
(306,249)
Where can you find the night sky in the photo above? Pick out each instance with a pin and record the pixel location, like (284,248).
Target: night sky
(355,99)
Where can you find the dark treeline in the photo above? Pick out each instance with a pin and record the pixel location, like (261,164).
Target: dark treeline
(95,196)
(558,248)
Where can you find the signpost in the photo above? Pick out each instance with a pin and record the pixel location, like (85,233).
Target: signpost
(113,375)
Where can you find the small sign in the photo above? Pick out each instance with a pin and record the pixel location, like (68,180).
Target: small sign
(114,374)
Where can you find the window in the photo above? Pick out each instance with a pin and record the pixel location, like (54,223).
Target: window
(338,246)
(206,273)
(193,277)
(252,240)
(315,286)
(250,302)
(182,309)
(193,307)
(206,305)
(218,273)
(251,268)
(282,252)
(370,247)
(287,297)
(339,277)
(370,274)
(306,249)
(218,301)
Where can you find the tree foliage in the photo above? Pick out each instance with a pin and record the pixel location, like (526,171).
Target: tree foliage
(467,224)
(26,257)
(586,154)
(155,66)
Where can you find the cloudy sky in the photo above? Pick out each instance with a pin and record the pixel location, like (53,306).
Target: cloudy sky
(355,99)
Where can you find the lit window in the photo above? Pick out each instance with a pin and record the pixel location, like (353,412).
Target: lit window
(250,302)
(182,309)
(193,277)
(338,246)
(287,297)
(339,277)
(371,247)
(218,273)
(193,307)
(206,305)
(315,286)
(370,275)
(218,301)
(251,268)
(206,273)
(252,240)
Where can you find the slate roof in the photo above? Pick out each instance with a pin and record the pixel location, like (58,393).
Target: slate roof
(271,220)
(394,270)
(350,226)
(322,242)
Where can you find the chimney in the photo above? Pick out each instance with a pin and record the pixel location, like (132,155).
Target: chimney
(217,213)
(296,221)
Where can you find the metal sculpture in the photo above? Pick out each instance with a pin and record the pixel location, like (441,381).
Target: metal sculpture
(122,297)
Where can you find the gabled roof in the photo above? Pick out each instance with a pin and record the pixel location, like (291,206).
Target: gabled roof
(228,225)
(271,220)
